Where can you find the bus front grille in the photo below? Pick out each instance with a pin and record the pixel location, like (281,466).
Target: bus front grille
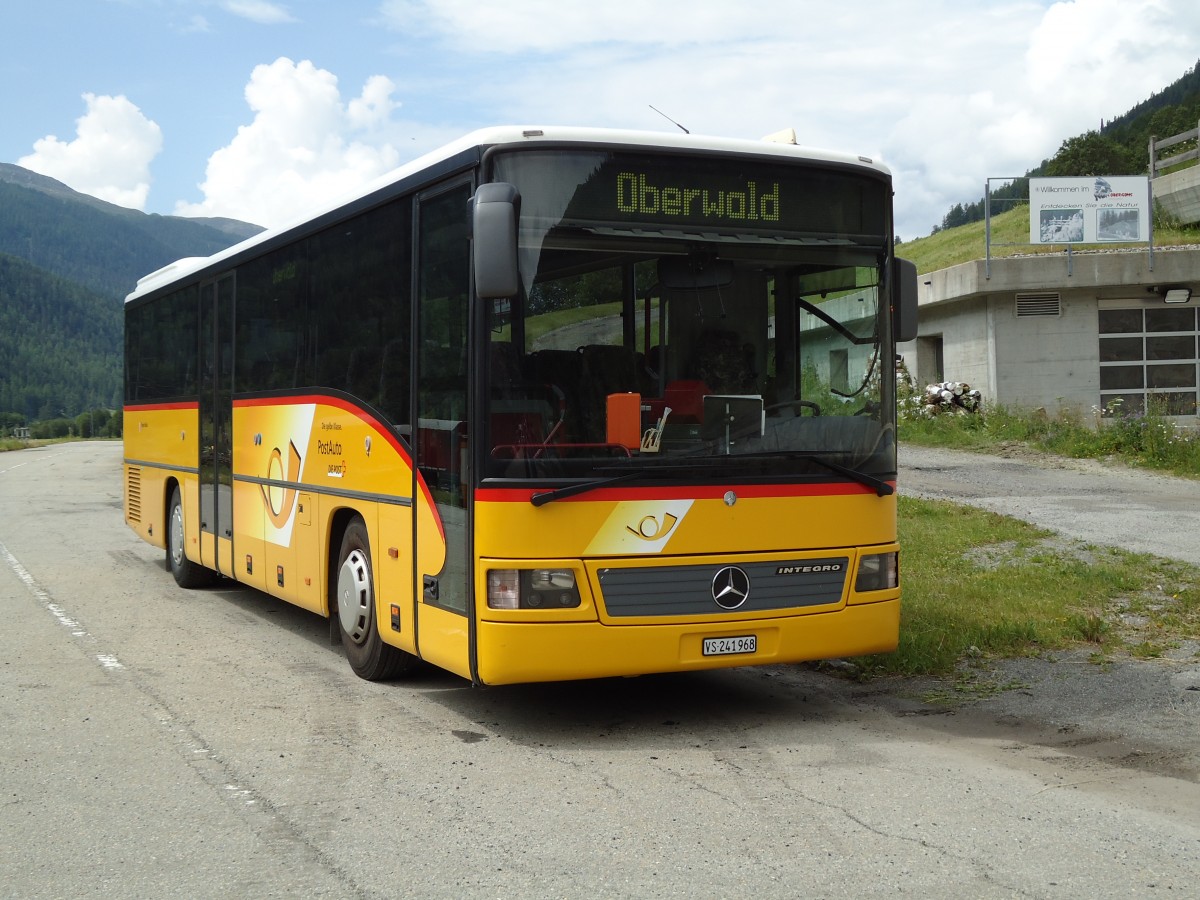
(723,587)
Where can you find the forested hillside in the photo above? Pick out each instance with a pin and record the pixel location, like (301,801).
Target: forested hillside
(1173,110)
(60,344)
(105,247)
(66,263)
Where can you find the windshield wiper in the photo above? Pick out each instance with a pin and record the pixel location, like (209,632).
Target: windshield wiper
(881,487)
(541,498)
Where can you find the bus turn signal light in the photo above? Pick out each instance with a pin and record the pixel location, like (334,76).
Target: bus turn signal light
(878,572)
(532,589)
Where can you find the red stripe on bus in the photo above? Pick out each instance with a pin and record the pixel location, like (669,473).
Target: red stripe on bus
(299,400)
(337,403)
(688,492)
(149,407)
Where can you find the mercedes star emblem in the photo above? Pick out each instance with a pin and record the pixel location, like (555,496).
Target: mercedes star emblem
(730,587)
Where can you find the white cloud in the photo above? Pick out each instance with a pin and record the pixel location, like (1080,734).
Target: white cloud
(300,151)
(913,82)
(261,11)
(947,93)
(374,107)
(110,155)
(1086,53)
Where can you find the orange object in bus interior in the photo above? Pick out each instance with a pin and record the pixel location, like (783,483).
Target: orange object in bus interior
(624,420)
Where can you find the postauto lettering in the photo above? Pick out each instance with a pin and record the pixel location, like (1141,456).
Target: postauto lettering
(636,194)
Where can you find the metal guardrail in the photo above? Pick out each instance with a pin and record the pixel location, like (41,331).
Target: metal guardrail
(1158,165)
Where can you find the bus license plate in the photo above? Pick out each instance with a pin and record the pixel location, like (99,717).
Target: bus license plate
(725,646)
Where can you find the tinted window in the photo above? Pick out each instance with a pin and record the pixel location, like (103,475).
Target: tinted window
(359,327)
(161,346)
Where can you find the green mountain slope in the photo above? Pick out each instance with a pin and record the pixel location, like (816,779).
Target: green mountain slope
(104,247)
(67,261)
(60,344)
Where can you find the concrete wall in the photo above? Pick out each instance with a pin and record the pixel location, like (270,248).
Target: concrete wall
(1179,193)
(1024,362)
(1036,361)
(965,346)
(1051,362)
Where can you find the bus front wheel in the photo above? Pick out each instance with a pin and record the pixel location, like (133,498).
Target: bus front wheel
(369,656)
(187,573)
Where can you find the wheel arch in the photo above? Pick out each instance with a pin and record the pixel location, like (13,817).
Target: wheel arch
(171,484)
(339,521)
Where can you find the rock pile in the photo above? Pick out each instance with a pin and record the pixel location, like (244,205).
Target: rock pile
(946,397)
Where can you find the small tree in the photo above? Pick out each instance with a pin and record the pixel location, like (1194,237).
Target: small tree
(1093,154)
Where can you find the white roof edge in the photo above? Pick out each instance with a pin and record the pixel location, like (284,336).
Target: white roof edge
(770,145)
(187,262)
(515,134)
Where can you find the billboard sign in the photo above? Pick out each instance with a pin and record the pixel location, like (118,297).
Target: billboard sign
(1090,210)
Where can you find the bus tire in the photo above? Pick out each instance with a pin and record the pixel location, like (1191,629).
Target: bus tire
(187,573)
(354,605)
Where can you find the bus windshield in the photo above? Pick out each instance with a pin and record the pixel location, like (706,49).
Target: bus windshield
(691,316)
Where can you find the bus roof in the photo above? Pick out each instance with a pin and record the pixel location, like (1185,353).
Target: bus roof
(781,144)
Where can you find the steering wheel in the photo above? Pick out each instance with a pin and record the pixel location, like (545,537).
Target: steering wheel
(802,404)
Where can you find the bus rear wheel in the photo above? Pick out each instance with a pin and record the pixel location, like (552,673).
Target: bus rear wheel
(187,573)
(369,656)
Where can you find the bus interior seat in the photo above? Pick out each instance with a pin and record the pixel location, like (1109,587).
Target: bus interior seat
(685,398)
(521,411)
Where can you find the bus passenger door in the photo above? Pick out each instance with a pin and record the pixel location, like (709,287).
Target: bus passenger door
(216,411)
(442,505)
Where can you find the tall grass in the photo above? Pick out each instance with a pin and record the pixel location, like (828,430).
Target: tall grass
(977,585)
(1151,440)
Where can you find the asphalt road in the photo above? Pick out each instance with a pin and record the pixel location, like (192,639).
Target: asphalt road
(163,743)
(1083,499)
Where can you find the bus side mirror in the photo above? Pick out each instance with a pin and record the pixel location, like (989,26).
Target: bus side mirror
(904,302)
(495,209)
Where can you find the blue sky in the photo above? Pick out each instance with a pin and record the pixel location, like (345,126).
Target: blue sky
(258,109)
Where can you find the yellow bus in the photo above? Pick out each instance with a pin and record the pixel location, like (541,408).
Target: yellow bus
(545,404)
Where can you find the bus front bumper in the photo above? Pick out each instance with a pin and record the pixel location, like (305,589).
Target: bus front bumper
(517,652)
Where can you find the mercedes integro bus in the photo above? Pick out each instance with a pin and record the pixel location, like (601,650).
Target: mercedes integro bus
(546,404)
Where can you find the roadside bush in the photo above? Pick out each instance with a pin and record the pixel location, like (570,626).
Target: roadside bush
(1150,439)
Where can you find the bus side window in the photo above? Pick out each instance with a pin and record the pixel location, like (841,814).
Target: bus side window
(394,382)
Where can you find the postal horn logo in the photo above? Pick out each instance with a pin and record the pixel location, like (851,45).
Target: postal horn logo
(279,499)
(651,529)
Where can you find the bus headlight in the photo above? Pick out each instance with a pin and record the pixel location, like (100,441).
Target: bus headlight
(532,589)
(878,572)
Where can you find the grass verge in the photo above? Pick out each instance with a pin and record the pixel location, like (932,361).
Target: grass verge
(978,584)
(1010,237)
